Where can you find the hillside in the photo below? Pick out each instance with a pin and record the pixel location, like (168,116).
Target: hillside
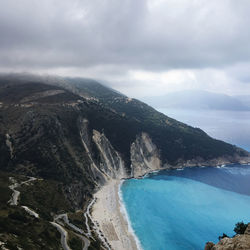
(73,135)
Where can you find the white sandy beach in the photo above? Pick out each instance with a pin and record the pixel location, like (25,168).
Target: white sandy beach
(112,222)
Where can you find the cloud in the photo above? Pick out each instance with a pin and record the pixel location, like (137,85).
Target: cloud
(240,72)
(121,40)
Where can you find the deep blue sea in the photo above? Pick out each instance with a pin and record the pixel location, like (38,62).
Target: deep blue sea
(183,209)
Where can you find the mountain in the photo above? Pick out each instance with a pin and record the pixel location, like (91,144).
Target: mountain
(61,139)
(198,99)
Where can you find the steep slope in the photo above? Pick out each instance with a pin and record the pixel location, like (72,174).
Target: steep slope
(177,141)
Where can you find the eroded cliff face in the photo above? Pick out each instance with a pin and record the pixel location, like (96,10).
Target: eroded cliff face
(145,156)
(106,163)
(100,176)
(111,162)
(240,241)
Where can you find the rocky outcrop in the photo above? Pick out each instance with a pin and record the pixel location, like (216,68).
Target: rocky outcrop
(238,242)
(144,156)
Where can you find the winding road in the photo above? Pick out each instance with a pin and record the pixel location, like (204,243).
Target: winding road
(79,231)
(14,198)
(64,235)
(56,223)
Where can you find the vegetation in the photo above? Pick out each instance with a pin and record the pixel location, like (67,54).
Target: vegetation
(75,242)
(77,219)
(18,228)
(45,197)
(240,227)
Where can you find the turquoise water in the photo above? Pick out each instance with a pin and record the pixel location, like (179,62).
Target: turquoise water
(181,210)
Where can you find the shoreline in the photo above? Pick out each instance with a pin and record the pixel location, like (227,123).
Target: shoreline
(110,215)
(182,167)
(125,214)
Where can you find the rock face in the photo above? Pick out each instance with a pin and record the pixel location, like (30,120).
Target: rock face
(145,156)
(97,173)
(239,242)
(111,163)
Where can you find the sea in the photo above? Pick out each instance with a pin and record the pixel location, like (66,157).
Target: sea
(183,209)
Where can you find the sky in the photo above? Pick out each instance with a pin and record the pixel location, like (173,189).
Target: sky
(139,47)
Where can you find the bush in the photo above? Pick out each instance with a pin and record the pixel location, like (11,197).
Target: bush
(18,216)
(240,227)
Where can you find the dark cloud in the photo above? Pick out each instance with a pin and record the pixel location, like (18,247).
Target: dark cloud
(150,35)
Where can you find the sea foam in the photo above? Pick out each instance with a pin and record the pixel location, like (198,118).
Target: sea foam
(126,216)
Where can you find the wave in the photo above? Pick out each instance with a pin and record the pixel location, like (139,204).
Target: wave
(179,169)
(155,172)
(221,166)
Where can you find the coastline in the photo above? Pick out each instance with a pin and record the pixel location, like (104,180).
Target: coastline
(110,214)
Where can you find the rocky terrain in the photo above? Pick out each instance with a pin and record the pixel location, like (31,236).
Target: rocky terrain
(73,135)
(240,241)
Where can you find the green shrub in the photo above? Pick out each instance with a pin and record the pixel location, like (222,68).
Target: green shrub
(240,227)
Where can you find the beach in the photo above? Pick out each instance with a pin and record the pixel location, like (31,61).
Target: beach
(107,212)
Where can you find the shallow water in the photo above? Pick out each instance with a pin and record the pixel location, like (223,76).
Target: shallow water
(179,210)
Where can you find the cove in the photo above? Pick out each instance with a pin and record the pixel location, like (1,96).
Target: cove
(185,208)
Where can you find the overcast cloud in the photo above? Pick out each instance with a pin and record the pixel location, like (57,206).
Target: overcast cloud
(141,47)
